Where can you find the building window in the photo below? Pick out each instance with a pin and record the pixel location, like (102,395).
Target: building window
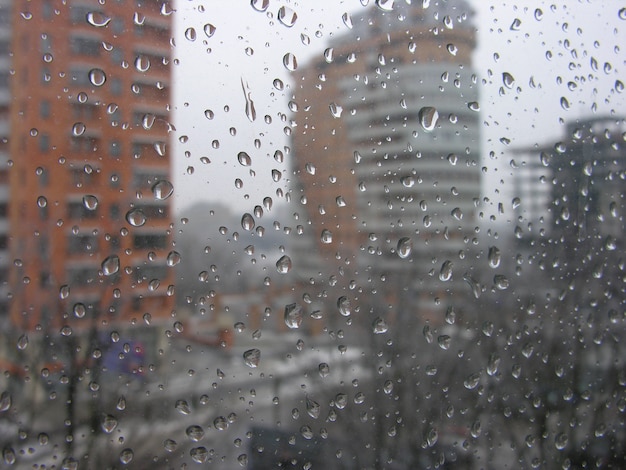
(115,149)
(77,211)
(44,109)
(148,241)
(86,46)
(44,142)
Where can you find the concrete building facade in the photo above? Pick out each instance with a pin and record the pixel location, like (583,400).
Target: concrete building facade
(391,127)
(89,167)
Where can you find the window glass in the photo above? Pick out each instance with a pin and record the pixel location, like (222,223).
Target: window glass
(375,234)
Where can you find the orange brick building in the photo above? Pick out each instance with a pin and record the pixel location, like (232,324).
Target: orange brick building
(89,165)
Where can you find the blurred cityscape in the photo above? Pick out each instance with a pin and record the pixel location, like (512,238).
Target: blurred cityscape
(372,318)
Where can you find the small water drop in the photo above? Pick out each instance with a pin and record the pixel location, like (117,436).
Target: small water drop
(111,265)
(515,25)
(90,202)
(494,257)
(182,407)
(445,273)
(195,433)
(97,77)
(108,423)
(126,456)
(293,316)
(428,117)
(136,217)
(287,16)
(379,326)
(98,19)
(252,357)
(247,222)
(260,5)
(244,159)
(344,305)
(404,247)
(22,342)
(290,62)
(162,189)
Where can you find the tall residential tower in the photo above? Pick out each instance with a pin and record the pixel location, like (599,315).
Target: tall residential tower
(89,170)
(391,127)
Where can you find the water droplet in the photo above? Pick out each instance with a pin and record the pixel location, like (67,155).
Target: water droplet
(121,403)
(79,310)
(622,13)
(344,306)
(515,26)
(619,86)
(564,103)
(162,189)
(335,110)
(290,62)
(385,5)
(247,222)
(452,49)
(293,316)
(252,357)
(473,106)
(260,5)
(287,16)
(327,236)
(428,117)
(97,77)
(501,282)
(276,175)
(283,265)
(445,274)
(108,424)
(404,247)
(444,342)
(136,217)
(341,401)
(379,326)
(209,30)
(244,159)
(183,407)
(64,292)
(220,423)
(457,213)
(22,342)
(195,433)
(170,445)
(493,364)
(78,129)
(5,401)
(347,20)
(538,14)
(173,258)
(190,34)
(250,109)
(508,80)
(560,441)
(199,454)
(142,63)
(98,19)
(313,408)
(471,381)
(111,265)
(323,369)
(494,257)
(8,454)
(126,456)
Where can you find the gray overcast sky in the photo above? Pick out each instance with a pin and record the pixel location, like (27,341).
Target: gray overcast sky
(556,49)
